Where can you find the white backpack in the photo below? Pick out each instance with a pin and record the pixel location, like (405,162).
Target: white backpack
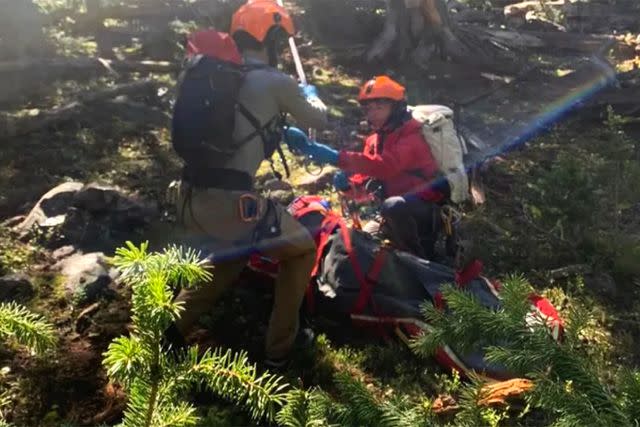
(446,146)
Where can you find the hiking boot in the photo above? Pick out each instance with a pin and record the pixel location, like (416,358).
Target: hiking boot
(303,341)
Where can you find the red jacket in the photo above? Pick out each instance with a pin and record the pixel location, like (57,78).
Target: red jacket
(403,155)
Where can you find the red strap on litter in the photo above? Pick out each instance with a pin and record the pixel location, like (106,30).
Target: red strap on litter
(327,228)
(366,285)
(346,238)
(470,272)
(438,301)
(329,224)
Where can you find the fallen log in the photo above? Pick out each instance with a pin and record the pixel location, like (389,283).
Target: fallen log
(519,10)
(130,111)
(16,126)
(54,65)
(21,80)
(553,40)
(570,270)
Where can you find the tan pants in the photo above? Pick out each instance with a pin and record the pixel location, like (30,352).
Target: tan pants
(215,214)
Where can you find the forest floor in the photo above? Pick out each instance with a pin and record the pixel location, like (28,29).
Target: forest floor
(564,199)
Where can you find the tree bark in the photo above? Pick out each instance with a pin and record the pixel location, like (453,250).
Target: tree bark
(423,28)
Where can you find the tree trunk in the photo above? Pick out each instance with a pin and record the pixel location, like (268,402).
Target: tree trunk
(21,30)
(422,28)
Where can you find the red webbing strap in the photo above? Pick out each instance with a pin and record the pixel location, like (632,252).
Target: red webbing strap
(366,286)
(327,228)
(329,224)
(469,273)
(438,301)
(346,238)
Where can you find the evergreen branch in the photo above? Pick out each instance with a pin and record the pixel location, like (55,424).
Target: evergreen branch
(138,403)
(574,406)
(182,267)
(401,413)
(306,409)
(155,377)
(233,377)
(473,323)
(515,297)
(629,385)
(363,408)
(26,328)
(576,321)
(131,261)
(190,267)
(124,359)
(471,413)
(181,415)
(427,342)
(520,361)
(567,384)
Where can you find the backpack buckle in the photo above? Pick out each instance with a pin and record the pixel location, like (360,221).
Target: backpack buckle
(248,207)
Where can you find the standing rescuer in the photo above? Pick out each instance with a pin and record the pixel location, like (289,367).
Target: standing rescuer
(218,205)
(398,156)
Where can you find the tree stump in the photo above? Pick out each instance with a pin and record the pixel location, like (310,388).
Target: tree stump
(422,28)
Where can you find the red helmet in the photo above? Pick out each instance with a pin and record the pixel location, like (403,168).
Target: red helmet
(381,87)
(257,17)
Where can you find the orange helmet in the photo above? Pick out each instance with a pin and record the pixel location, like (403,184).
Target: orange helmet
(381,87)
(257,17)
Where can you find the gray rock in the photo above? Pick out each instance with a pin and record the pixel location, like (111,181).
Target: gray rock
(63,252)
(16,287)
(52,208)
(122,209)
(282,197)
(96,198)
(276,185)
(87,277)
(90,217)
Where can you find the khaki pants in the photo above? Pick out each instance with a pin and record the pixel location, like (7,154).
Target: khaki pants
(215,214)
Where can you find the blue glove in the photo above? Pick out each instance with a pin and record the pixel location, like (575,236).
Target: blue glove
(296,139)
(341,181)
(321,154)
(298,142)
(309,91)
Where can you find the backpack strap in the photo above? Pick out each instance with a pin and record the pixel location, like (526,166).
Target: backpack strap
(260,130)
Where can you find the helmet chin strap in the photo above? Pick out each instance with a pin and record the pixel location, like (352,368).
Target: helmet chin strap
(272,46)
(272,54)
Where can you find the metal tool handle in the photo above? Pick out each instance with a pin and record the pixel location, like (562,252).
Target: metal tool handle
(299,70)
